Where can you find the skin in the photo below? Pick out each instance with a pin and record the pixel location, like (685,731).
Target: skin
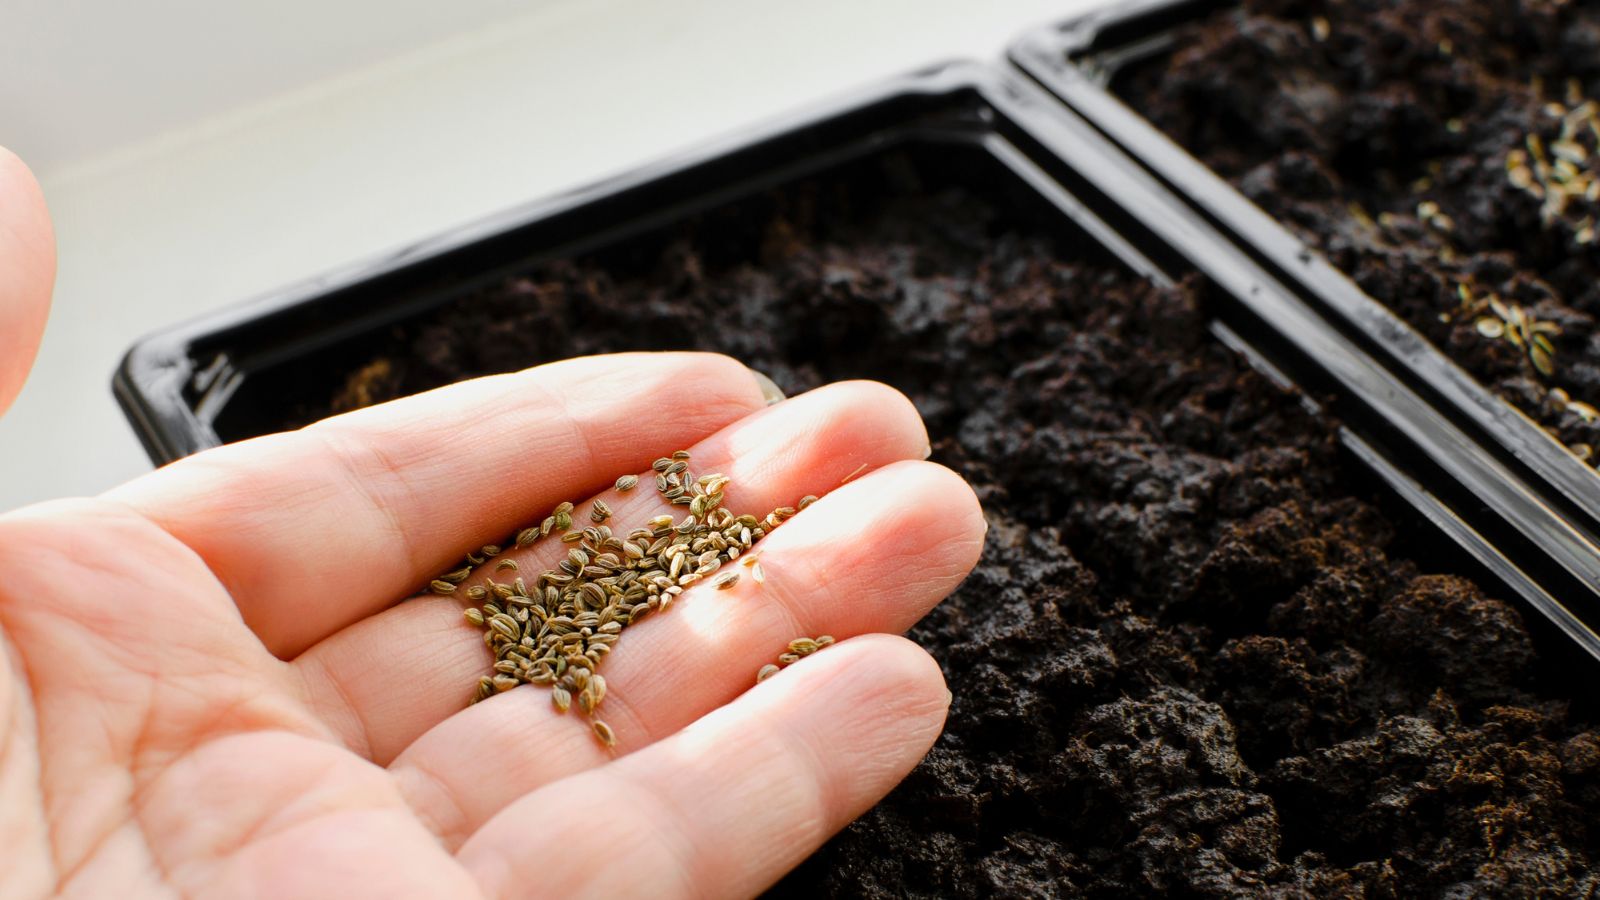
(211,689)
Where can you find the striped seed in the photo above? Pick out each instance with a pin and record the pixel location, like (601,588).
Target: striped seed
(767,671)
(627,483)
(603,732)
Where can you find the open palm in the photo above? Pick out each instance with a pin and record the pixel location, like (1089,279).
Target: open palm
(214,685)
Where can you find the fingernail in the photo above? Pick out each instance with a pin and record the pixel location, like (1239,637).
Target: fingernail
(927,452)
(770,391)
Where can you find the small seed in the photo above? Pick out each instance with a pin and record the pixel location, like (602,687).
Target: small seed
(767,671)
(680,454)
(1542,360)
(825,640)
(604,733)
(505,564)
(440,586)
(806,501)
(562,700)
(627,482)
(600,511)
(804,646)
(477,593)
(660,465)
(475,616)
(726,581)
(758,574)
(785,659)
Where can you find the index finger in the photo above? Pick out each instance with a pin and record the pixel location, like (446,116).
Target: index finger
(315,529)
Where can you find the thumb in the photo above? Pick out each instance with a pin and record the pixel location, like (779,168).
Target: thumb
(27,273)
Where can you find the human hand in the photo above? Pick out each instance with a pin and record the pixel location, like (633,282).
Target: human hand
(212,690)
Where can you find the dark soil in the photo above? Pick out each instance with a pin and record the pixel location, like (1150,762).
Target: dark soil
(1345,119)
(1194,659)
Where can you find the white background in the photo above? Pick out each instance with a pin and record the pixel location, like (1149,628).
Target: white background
(195,153)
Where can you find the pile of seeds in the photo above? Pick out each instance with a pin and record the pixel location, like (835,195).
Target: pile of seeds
(557,627)
(798,648)
(1561,175)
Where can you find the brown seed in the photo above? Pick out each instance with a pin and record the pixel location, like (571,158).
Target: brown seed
(439,586)
(680,454)
(1542,360)
(727,581)
(767,671)
(505,564)
(660,465)
(806,501)
(785,659)
(600,511)
(526,537)
(562,700)
(804,646)
(477,593)
(675,468)
(475,616)
(603,732)
(627,483)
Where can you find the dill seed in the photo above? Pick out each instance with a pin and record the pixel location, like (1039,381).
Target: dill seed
(505,564)
(767,671)
(726,581)
(758,574)
(526,537)
(806,501)
(477,593)
(627,483)
(661,464)
(562,700)
(475,616)
(680,454)
(603,732)
(785,659)
(439,586)
(600,511)
(803,646)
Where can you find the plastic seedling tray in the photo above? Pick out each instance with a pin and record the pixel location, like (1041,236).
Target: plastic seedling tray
(240,372)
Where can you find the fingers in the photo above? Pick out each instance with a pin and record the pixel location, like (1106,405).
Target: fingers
(873,556)
(805,445)
(726,806)
(27,273)
(318,528)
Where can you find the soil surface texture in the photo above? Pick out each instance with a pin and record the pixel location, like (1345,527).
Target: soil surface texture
(1196,658)
(1440,152)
